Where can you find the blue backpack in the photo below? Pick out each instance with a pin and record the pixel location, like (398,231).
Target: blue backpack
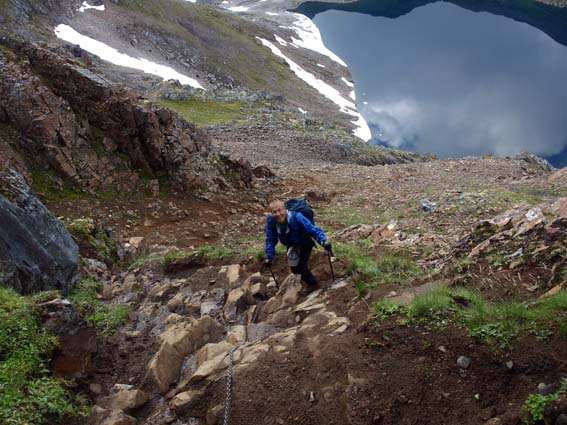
(301,205)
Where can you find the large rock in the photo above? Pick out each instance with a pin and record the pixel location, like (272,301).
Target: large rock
(237,302)
(36,251)
(278,310)
(178,341)
(125,398)
(96,136)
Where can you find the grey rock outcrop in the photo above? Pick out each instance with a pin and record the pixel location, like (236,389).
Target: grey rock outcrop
(36,251)
(93,135)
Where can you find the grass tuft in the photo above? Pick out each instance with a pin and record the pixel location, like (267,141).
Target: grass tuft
(493,323)
(28,393)
(206,112)
(106,318)
(377,270)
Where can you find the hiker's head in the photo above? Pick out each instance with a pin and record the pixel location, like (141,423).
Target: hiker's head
(278,211)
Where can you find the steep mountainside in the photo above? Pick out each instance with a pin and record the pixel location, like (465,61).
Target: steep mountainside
(442,301)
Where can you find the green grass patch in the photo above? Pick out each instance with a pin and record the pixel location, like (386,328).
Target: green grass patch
(533,408)
(45,183)
(228,39)
(106,318)
(216,251)
(520,195)
(28,393)
(90,235)
(353,215)
(493,323)
(202,112)
(376,270)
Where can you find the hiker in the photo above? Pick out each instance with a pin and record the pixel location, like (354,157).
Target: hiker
(297,233)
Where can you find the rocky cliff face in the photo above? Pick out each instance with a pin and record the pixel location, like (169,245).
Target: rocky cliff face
(36,251)
(95,136)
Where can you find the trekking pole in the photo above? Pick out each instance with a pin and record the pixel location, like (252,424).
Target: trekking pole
(331,264)
(274,277)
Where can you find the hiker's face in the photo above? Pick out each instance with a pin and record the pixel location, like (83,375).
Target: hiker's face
(279,213)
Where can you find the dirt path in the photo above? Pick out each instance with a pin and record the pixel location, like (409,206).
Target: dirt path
(321,359)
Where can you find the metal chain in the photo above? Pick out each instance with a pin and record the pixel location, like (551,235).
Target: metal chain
(228,387)
(229,379)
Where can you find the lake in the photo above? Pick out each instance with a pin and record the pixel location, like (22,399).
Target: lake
(443,79)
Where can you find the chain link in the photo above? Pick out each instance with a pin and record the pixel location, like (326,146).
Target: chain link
(228,387)
(229,377)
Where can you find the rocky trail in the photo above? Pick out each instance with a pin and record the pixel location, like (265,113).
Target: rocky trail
(133,210)
(324,357)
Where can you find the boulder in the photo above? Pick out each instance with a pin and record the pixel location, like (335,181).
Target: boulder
(210,351)
(236,335)
(37,253)
(233,275)
(213,302)
(102,416)
(177,342)
(177,303)
(259,291)
(138,245)
(126,398)
(185,401)
(237,302)
(277,311)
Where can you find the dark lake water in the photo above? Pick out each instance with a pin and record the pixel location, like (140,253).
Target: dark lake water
(454,82)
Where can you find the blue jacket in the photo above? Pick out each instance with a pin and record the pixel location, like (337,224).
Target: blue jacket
(299,231)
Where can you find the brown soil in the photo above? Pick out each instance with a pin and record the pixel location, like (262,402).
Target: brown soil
(387,374)
(397,376)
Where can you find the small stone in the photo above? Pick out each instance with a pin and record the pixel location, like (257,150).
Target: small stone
(463,362)
(311,397)
(510,364)
(442,349)
(426,205)
(95,388)
(545,389)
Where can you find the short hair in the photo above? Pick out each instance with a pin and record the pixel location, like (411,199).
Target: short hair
(276,203)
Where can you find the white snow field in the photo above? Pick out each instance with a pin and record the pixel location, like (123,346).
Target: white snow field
(110,54)
(362,131)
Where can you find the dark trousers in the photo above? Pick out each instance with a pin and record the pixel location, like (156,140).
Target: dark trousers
(302,267)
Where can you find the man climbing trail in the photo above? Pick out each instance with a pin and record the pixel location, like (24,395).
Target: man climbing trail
(297,232)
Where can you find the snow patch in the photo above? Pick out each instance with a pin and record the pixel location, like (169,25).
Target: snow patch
(362,131)
(352,95)
(280,40)
(86,6)
(303,111)
(347,82)
(272,14)
(238,8)
(346,106)
(192,1)
(107,53)
(310,37)
(321,66)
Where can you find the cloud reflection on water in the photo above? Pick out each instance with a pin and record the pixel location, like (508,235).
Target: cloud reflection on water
(446,80)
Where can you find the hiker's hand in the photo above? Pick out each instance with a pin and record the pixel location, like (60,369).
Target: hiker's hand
(327,245)
(267,263)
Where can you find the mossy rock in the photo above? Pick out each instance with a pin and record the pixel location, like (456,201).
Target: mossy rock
(93,240)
